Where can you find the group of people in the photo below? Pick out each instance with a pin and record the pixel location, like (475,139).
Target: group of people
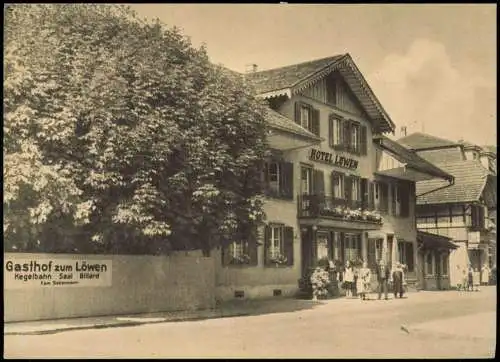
(472,278)
(358,281)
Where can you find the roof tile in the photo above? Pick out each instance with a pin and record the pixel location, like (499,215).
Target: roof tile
(285,77)
(418,140)
(470,179)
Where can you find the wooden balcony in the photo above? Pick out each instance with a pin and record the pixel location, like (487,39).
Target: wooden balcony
(322,206)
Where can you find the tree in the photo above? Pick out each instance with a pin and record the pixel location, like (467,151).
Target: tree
(120,132)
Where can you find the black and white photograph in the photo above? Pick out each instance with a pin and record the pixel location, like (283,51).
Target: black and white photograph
(249,180)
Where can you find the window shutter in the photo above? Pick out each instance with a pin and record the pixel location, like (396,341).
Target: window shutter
(266,178)
(348,189)
(252,249)
(364,192)
(341,251)
(267,243)
(286,180)
(297,112)
(319,182)
(346,125)
(315,121)
(334,181)
(384,196)
(338,124)
(405,198)
(288,246)
(331,130)
(371,200)
(331,253)
(409,256)
(364,141)
(393,198)
(473,216)
(481,217)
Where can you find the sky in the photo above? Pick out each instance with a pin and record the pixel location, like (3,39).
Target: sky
(433,67)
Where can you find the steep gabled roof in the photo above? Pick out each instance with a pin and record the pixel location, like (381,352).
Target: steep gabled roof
(409,157)
(421,141)
(293,79)
(470,180)
(286,77)
(490,149)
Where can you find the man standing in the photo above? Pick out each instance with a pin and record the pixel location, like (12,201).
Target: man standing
(383,273)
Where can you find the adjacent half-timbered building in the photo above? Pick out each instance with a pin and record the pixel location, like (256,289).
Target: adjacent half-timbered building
(337,187)
(464,212)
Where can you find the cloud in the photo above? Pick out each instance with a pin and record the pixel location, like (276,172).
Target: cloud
(424,90)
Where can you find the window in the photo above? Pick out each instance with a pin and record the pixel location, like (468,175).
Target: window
(383,203)
(429,265)
(457,220)
(276,247)
(322,246)
(352,246)
(331,91)
(443,221)
(336,133)
(338,185)
(376,193)
(274,177)
(305,178)
(444,265)
(279,179)
(240,253)
(355,141)
(347,135)
(396,200)
(278,242)
(405,251)
(305,117)
(356,189)
(477,217)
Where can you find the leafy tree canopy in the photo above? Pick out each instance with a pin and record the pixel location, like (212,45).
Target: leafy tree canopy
(120,136)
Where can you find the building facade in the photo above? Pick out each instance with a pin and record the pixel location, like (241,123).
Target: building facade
(331,192)
(465,211)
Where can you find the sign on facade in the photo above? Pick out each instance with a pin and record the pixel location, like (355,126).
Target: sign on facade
(336,160)
(48,273)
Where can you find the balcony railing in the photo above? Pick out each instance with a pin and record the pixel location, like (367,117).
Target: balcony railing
(330,207)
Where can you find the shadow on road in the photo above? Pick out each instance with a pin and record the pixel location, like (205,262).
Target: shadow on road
(267,306)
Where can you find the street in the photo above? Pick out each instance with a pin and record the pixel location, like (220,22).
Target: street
(445,324)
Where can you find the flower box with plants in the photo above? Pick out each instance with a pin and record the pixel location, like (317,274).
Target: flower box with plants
(279,259)
(240,259)
(351,214)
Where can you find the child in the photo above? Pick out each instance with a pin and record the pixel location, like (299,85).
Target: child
(363,282)
(348,279)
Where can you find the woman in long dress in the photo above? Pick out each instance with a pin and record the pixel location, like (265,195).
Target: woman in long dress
(485,275)
(363,282)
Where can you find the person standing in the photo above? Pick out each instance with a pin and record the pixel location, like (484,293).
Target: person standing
(397,280)
(485,275)
(363,282)
(349,279)
(383,274)
(470,278)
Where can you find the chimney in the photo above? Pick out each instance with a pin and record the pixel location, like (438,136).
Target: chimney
(251,68)
(403,131)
